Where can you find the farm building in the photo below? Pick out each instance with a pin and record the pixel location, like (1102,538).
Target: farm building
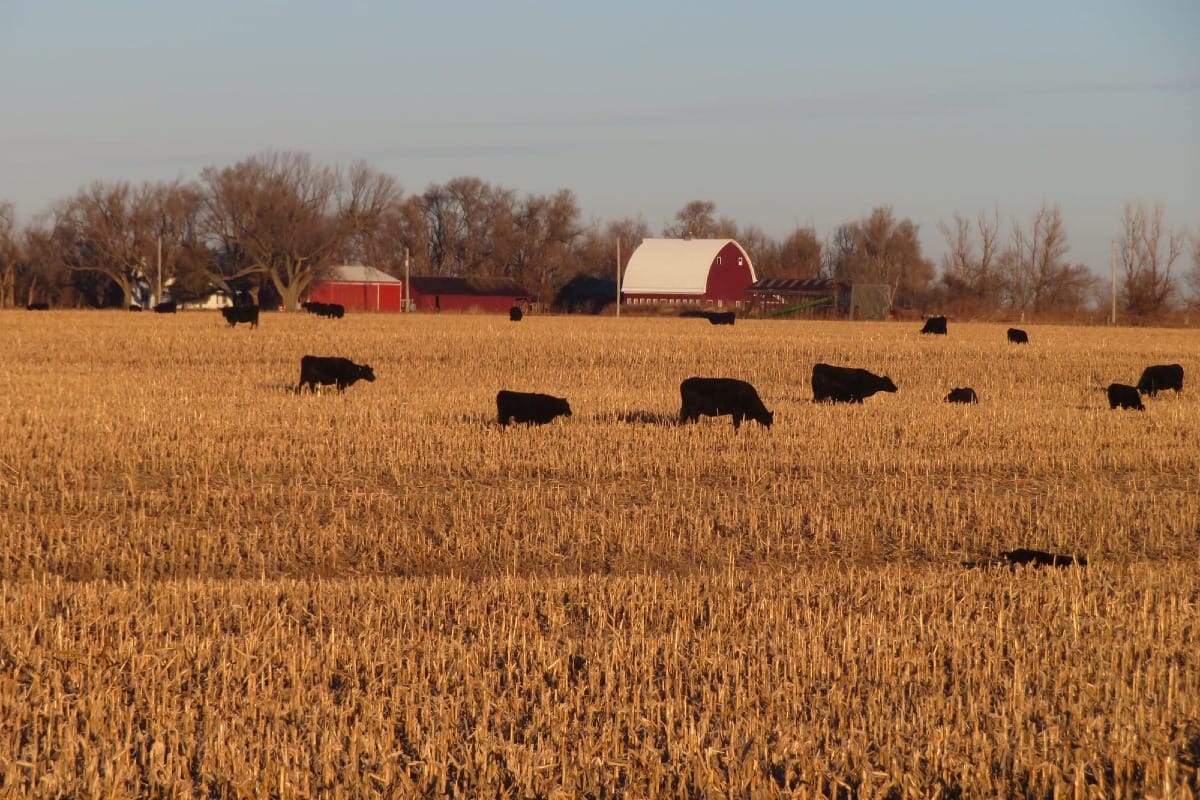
(437,293)
(359,288)
(811,296)
(693,271)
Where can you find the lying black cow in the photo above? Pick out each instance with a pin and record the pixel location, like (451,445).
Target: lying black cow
(529,407)
(721,317)
(327,370)
(38,307)
(515,313)
(935,325)
(716,397)
(1018,336)
(1159,378)
(235,314)
(1122,395)
(166,307)
(964,394)
(847,384)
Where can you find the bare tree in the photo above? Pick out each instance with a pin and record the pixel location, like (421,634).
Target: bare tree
(800,254)
(284,218)
(880,249)
(471,228)
(1036,275)
(763,251)
(698,220)
(969,266)
(547,243)
(1193,276)
(1147,253)
(9,254)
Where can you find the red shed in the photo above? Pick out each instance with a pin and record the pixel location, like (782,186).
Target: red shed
(695,271)
(359,288)
(437,293)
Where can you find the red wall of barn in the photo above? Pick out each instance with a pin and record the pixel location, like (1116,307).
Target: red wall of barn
(360,296)
(728,275)
(499,304)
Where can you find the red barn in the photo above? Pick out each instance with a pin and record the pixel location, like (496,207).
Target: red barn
(359,288)
(694,271)
(437,293)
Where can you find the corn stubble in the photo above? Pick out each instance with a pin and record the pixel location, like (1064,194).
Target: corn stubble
(211,586)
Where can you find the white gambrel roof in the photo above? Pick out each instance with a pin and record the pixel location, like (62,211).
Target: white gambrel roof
(357,273)
(673,266)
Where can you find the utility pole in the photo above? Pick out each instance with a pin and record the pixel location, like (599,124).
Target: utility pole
(1114,281)
(407,295)
(618,277)
(159,297)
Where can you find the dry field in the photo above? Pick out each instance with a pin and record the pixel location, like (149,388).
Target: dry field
(211,586)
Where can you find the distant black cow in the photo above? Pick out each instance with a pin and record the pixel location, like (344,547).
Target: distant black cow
(1121,395)
(515,313)
(235,314)
(964,394)
(327,370)
(529,407)
(1040,558)
(721,317)
(716,397)
(329,310)
(134,307)
(847,384)
(935,325)
(167,307)
(38,307)
(1018,336)
(1161,377)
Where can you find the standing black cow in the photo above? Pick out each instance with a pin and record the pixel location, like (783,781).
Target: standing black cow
(1018,336)
(166,307)
(327,370)
(235,314)
(935,325)
(38,307)
(1161,377)
(721,317)
(716,397)
(964,394)
(515,313)
(529,407)
(1122,395)
(847,384)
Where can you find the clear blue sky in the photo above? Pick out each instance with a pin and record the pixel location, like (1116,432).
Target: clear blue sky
(781,113)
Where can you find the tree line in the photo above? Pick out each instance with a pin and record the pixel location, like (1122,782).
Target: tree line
(274,223)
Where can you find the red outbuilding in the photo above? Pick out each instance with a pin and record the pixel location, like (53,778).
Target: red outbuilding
(438,293)
(359,288)
(689,271)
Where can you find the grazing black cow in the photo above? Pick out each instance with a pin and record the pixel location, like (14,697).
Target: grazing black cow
(235,314)
(847,384)
(327,370)
(529,407)
(38,307)
(515,313)
(167,307)
(1122,395)
(964,394)
(716,397)
(1040,558)
(721,317)
(935,325)
(1018,336)
(1161,377)
(329,310)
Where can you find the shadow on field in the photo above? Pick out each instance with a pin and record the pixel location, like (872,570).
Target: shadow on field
(639,418)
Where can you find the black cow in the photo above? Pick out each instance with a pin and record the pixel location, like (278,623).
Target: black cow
(847,384)
(515,313)
(529,407)
(935,325)
(964,394)
(716,397)
(1161,377)
(235,314)
(327,370)
(721,317)
(1040,558)
(38,307)
(1122,395)
(1018,336)
(134,307)
(167,307)
(329,310)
